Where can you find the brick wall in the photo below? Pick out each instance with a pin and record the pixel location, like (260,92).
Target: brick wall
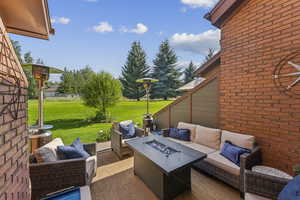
(253,41)
(14,173)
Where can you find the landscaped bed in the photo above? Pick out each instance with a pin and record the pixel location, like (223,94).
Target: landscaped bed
(71,119)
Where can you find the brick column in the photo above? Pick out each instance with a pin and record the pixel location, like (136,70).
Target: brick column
(14,171)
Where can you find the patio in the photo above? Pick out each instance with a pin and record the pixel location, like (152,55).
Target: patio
(115,180)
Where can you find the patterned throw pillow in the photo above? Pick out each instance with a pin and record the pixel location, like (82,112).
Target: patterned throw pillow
(180,134)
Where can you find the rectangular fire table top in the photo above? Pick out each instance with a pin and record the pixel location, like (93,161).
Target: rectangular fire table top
(166,154)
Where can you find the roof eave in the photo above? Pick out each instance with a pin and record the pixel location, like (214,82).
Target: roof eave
(215,60)
(34,20)
(222,11)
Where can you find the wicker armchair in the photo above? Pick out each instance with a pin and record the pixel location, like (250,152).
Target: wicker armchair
(118,144)
(54,176)
(263,185)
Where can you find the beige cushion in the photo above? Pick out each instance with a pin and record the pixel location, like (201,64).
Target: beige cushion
(47,153)
(221,162)
(201,148)
(208,136)
(191,127)
(197,147)
(91,166)
(249,196)
(242,140)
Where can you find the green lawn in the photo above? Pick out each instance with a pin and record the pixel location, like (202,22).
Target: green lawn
(70,118)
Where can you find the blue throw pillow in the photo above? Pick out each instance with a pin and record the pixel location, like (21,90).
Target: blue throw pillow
(71,152)
(233,153)
(180,134)
(127,131)
(75,150)
(291,191)
(77,144)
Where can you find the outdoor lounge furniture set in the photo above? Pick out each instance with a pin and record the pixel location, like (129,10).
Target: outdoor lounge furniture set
(211,141)
(56,173)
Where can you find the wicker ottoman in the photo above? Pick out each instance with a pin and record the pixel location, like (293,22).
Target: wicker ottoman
(264,183)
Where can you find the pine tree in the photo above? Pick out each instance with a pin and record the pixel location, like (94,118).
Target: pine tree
(210,54)
(188,73)
(135,68)
(32,86)
(166,71)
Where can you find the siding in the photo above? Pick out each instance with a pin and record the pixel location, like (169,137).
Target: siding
(201,106)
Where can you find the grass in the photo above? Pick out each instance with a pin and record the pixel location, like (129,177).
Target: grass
(70,118)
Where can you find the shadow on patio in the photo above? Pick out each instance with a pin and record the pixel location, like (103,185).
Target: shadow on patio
(115,181)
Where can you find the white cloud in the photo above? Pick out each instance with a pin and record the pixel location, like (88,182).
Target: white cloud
(139,29)
(103,27)
(199,3)
(196,43)
(60,20)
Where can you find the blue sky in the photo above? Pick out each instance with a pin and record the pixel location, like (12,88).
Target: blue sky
(99,33)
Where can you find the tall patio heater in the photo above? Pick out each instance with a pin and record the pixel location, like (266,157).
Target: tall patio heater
(148,119)
(40,133)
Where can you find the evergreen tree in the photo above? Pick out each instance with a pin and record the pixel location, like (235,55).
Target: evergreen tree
(210,54)
(32,86)
(135,68)
(18,49)
(166,71)
(28,58)
(188,73)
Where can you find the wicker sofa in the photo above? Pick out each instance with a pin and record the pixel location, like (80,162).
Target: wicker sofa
(49,177)
(118,144)
(210,141)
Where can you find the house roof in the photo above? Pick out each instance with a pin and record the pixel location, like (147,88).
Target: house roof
(214,61)
(26,17)
(222,11)
(191,85)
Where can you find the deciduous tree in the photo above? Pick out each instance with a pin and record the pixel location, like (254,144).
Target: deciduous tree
(101,92)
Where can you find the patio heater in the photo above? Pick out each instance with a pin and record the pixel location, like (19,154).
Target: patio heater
(40,134)
(148,119)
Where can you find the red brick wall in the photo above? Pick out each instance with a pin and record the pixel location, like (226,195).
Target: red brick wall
(253,41)
(14,172)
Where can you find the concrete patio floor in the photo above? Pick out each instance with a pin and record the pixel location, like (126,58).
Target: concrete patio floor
(115,181)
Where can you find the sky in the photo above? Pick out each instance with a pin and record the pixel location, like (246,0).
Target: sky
(99,33)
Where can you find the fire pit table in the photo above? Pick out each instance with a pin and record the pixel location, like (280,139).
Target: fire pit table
(163,165)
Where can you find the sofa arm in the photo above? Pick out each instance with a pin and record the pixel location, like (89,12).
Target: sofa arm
(264,185)
(116,138)
(247,161)
(139,132)
(90,148)
(53,176)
